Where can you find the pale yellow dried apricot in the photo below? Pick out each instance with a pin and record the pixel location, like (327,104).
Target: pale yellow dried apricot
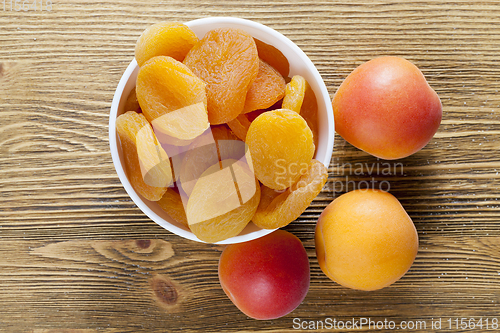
(294,96)
(278,209)
(280,142)
(172,98)
(267,89)
(223,201)
(227,60)
(171,39)
(146,164)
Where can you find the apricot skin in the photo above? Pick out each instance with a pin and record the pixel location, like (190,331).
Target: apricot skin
(365,240)
(386,108)
(268,277)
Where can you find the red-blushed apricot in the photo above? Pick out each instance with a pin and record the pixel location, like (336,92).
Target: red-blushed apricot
(365,240)
(266,278)
(171,39)
(386,108)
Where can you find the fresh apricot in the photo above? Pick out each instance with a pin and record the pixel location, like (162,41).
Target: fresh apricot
(266,278)
(386,108)
(365,240)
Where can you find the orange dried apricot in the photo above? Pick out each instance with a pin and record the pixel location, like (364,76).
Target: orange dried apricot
(254,114)
(280,142)
(309,111)
(172,204)
(273,57)
(227,60)
(131,104)
(172,98)
(171,39)
(223,201)
(208,149)
(240,126)
(294,96)
(278,209)
(146,163)
(267,88)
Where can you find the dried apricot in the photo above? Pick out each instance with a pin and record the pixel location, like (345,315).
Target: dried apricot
(267,88)
(240,126)
(294,96)
(172,98)
(273,57)
(278,209)
(131,104)
(279,142)
(223,201)
(227,60)
(171,39)
(254,114)
(146,163)
(172,204)
(208,149)
(309,111)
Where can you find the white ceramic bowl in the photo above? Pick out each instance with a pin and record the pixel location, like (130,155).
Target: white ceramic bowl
(299,65)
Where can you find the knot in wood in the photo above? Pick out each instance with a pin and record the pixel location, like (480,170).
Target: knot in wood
(165,291)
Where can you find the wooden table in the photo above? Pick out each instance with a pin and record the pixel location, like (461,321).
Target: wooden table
(76,255)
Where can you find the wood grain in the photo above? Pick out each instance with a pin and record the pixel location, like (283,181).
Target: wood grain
(76,255)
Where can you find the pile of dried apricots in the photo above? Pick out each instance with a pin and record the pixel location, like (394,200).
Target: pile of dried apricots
(217,133)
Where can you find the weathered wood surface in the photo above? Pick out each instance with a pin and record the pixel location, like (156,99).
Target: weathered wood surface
(76,255)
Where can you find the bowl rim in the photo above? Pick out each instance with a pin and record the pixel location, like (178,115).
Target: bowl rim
(327,127)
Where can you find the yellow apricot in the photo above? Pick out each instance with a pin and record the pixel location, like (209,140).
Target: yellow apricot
(365,240)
